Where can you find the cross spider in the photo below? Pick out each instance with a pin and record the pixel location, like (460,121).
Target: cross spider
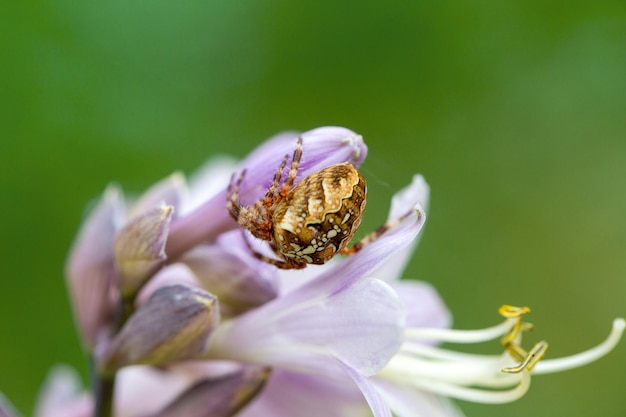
(310,222)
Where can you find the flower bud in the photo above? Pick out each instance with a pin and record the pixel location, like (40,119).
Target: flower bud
(219,397)
(171,191)
(90,267)
(240,281)
(140,248)
(174,324)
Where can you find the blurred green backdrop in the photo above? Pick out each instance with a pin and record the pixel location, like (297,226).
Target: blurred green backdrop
(514,111)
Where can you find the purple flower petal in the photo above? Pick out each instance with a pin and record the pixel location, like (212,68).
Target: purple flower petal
(6,408)
(140,248)
(173,325)
(408,402)
(417,192)
(290,279)
(171,191)
(388,265)
(321,148)
(90,267)
(221,396)
(368,259)
(375,401)
(289,394)
(228,270)
(207,181)
(145,390)
(175,274)
(424,306)
(360,324)
(62,396)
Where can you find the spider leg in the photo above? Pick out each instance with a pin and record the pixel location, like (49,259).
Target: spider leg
(375,234)
(269,195)
(232,195)
(293,171)
(286,264)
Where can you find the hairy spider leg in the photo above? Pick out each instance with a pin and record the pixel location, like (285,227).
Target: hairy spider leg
(293,171)
(252,218)
(282,264)
(375,234)
(232,195)
(270,195)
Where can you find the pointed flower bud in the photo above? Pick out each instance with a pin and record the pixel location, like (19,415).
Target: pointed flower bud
(228,270)
(90,269)
(140,248)
(171,191)
(174,324)
(219,397)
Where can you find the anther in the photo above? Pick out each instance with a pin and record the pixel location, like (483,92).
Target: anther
(535,354)
(511,312)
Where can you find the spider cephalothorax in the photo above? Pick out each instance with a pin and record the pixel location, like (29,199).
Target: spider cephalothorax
(310,222)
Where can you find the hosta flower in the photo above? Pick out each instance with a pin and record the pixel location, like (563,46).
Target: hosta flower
(420,378)
(180,318)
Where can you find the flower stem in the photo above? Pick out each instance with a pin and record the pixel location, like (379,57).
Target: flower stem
(103,387)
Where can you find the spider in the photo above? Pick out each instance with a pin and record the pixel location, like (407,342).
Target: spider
(308,223)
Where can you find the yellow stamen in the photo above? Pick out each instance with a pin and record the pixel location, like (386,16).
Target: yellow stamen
(535,354)
(511,312)
(514,313)
(513,332)
(517,352)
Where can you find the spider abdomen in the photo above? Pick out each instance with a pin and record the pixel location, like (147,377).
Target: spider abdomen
(320,214)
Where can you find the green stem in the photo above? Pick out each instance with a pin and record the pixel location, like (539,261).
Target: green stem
(103,389)
(104,385)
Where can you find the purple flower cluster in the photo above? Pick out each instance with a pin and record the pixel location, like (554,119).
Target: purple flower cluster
(180,319)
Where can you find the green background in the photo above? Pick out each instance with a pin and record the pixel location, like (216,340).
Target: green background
(515,112)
